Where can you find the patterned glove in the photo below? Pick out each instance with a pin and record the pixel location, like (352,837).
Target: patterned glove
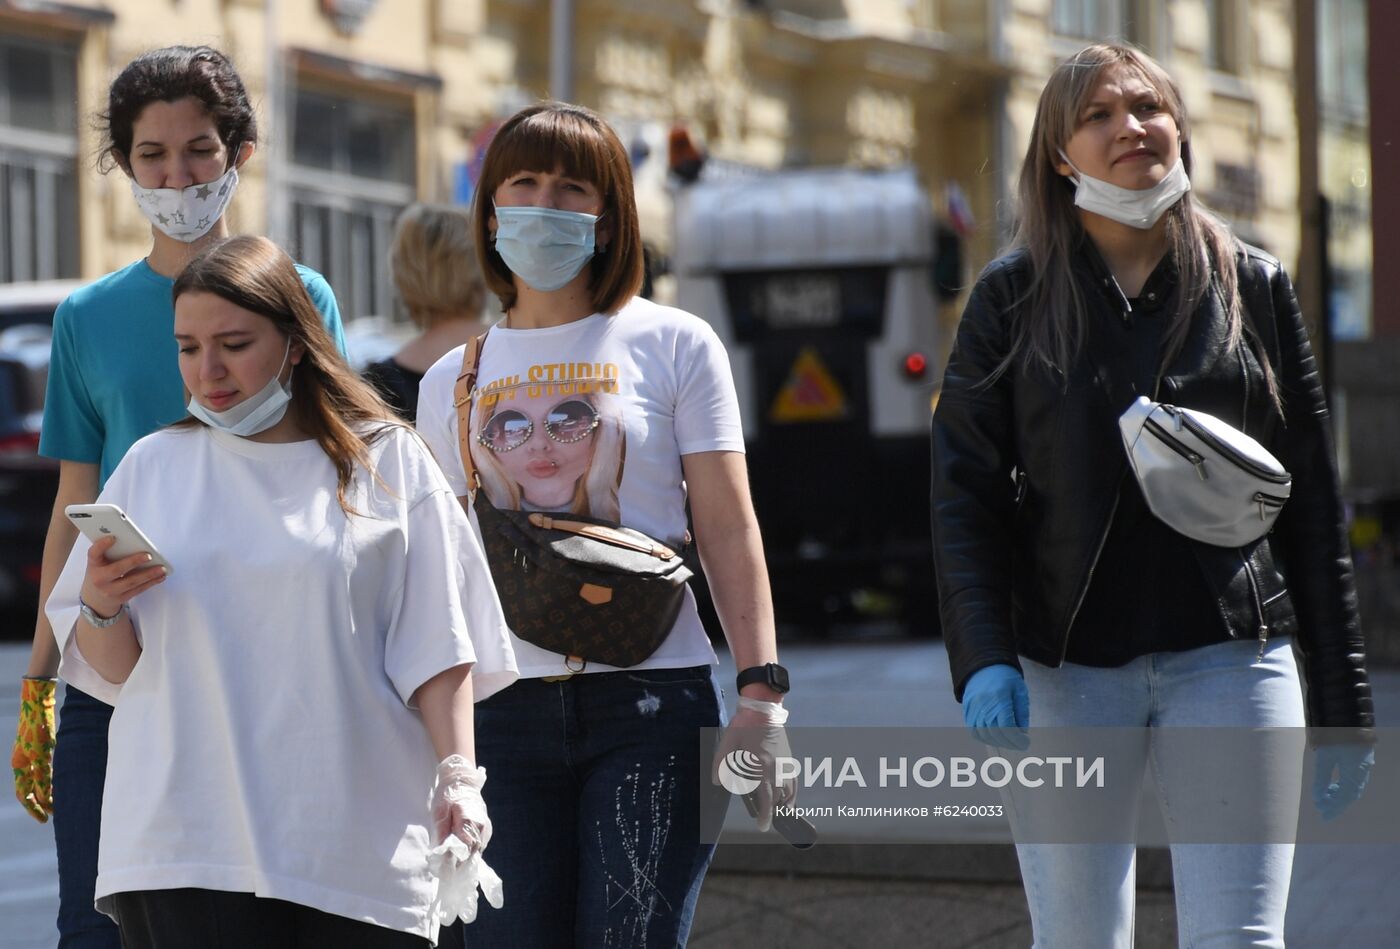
(32,759)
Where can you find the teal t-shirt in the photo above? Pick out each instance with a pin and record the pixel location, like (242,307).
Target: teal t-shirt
(114,375)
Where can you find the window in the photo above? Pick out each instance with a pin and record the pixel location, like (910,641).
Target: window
(1086,19)
(1342,55)
(352,173)
(1140,23)
(38,160)
(1222,39)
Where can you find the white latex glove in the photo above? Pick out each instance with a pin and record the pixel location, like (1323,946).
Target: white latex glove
(458,808)
(461,831)
(747,749)
(459,871)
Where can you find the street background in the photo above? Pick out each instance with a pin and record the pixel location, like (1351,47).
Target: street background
(840,896)
(822,180)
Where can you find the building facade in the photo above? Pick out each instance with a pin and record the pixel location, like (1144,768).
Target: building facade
(367,105)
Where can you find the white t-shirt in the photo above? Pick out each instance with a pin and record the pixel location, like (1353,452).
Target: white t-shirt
(262,743)
(593,417)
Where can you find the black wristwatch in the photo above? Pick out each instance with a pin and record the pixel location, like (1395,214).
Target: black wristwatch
(772,675)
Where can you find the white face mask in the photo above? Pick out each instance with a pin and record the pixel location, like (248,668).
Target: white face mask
(1140,209)
(186,214)
(257,413)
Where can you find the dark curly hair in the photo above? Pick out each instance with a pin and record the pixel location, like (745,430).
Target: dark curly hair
(168,75)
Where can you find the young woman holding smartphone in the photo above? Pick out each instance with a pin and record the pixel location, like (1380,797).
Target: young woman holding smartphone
(179,125)
(283,694)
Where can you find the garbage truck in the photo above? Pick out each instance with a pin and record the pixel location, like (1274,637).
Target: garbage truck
(819,282)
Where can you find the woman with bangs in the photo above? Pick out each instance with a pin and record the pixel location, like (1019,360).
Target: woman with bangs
(1065,601)
(592,400)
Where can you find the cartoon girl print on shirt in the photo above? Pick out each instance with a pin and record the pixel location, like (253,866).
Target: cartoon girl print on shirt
(557,448)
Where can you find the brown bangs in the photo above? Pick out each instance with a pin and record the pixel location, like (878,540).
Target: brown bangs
(576,142)
(557,141)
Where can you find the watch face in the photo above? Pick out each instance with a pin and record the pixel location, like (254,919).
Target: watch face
(777,677)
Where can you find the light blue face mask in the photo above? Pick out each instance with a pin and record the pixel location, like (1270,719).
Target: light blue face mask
(544,247)
(257,413)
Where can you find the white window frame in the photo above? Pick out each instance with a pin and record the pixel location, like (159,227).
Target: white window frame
(361,213)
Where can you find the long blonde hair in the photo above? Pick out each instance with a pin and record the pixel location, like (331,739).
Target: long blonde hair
(595,494)
(1055,318)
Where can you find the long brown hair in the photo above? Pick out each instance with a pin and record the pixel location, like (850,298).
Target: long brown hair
(550,135)
(329,401)
(1052,330)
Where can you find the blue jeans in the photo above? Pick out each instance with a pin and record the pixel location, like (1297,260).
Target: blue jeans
(79,772)
(593,786)
(1081,896)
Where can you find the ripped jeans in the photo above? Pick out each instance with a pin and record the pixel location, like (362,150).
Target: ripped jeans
(593,790)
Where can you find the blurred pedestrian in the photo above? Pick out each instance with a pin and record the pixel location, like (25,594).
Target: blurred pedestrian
(284,692)
(179,125)
(595,404)
(1065,601)
(435,270)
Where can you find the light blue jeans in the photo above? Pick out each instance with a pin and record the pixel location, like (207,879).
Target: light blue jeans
(1081,896)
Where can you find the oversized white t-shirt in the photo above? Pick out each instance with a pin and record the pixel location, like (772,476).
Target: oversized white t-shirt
(262,743)
(593,417)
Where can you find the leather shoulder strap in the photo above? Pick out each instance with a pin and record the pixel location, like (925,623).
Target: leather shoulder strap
(462,396)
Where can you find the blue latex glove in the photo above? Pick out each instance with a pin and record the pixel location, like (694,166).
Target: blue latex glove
(1341,776)
(997,707)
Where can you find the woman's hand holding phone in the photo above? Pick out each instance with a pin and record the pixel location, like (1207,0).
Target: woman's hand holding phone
(109,585)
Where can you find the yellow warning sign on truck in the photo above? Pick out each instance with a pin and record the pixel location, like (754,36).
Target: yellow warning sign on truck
(810,393)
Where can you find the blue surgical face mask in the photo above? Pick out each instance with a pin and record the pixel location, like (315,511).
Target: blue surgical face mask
(257,413)
(544,247)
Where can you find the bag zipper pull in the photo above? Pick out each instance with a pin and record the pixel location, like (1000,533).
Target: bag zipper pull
(1263,639)
(1199,463)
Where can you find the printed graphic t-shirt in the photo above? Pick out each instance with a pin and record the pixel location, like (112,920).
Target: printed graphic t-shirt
(592,417)
(114,374)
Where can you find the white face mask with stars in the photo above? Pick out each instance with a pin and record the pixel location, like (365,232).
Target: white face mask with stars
(186,214)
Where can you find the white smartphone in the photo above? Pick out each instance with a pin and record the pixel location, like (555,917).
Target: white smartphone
(97,521)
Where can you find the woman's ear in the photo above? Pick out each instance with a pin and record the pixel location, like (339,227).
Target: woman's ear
(298,351)
(245,152)
(120,158)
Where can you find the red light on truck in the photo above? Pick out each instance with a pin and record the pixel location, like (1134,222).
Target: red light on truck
(915,365)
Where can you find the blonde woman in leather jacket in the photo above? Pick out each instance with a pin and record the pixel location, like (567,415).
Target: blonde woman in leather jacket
(1065,602)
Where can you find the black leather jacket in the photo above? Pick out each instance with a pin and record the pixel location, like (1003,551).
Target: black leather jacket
(1027,472)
